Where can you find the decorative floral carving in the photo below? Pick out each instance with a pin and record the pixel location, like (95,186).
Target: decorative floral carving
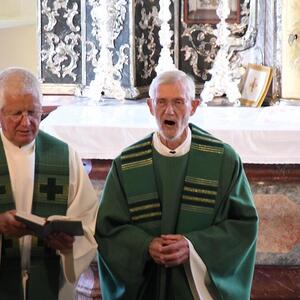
(69,15)
(224,79)
(199,46)
(165,61)
(117,11)
(107,21)
(120,8)
(50,14)
(122,60)
(146,45)
(202,44)
(60,51)
(91,53)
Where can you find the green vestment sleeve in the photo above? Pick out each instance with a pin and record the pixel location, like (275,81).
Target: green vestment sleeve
(227,247)
(122,246)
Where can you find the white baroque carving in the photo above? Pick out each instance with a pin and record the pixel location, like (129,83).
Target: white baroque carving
(69,15)
(60,51)
(91,53)
(148,23)
(197,36)
(120,11)
(165,61)
(123,60)
(201,47)
(224,79)
(108,17)
(59,4)
(249,20)
(50,14)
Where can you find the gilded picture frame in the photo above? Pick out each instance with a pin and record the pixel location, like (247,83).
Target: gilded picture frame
(255,85)
(204,11)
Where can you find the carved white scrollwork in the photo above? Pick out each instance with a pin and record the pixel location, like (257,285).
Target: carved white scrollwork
(108,18)
(200,46)
(50,14)
(224,79)
(91,53)
(146,45)
(120,11)
(69,15)
(165,61)
(201,40)
(122,60)
(249,20)
(59,52)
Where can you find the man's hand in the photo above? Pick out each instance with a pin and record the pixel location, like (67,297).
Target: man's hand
(60,241)
(155,250)
(9,226)
(169,250)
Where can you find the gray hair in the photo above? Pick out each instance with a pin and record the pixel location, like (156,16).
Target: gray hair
(171,77)
(29,82)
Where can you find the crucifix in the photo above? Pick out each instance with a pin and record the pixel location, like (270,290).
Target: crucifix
(253,85)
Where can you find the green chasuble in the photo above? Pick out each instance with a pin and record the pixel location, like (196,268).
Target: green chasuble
(50,196)
(203,195)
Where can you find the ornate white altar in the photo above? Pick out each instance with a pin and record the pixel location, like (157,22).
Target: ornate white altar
(267,135)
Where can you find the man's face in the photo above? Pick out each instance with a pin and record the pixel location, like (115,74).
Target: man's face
(172,111)
(20,116)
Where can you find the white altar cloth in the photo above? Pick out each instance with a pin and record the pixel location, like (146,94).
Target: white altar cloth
(268,135)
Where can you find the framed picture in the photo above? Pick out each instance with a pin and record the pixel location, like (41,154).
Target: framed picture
(204,11)
(255,85)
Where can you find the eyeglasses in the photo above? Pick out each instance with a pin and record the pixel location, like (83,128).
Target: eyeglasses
(177,103)
(18,115)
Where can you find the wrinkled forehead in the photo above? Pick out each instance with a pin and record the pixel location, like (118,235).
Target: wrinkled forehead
(173,88)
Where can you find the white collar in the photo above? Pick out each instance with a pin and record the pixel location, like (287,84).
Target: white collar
(179,151)
(12,148)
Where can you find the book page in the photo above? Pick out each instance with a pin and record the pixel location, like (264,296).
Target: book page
(60,218)
(30,217)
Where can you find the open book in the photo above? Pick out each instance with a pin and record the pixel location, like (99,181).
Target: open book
(45,226)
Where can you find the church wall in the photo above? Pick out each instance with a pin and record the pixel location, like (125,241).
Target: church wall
(18,36)
(12,54)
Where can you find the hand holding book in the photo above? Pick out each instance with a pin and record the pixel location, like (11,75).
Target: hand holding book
(42,227)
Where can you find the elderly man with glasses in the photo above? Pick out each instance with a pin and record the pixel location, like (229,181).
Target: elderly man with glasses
(176,219)
(41,175)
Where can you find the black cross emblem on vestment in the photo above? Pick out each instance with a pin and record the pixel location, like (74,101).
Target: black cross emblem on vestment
(2,189)
(51,189)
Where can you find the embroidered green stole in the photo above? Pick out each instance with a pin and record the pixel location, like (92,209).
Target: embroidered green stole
(50,196)
(198,199)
